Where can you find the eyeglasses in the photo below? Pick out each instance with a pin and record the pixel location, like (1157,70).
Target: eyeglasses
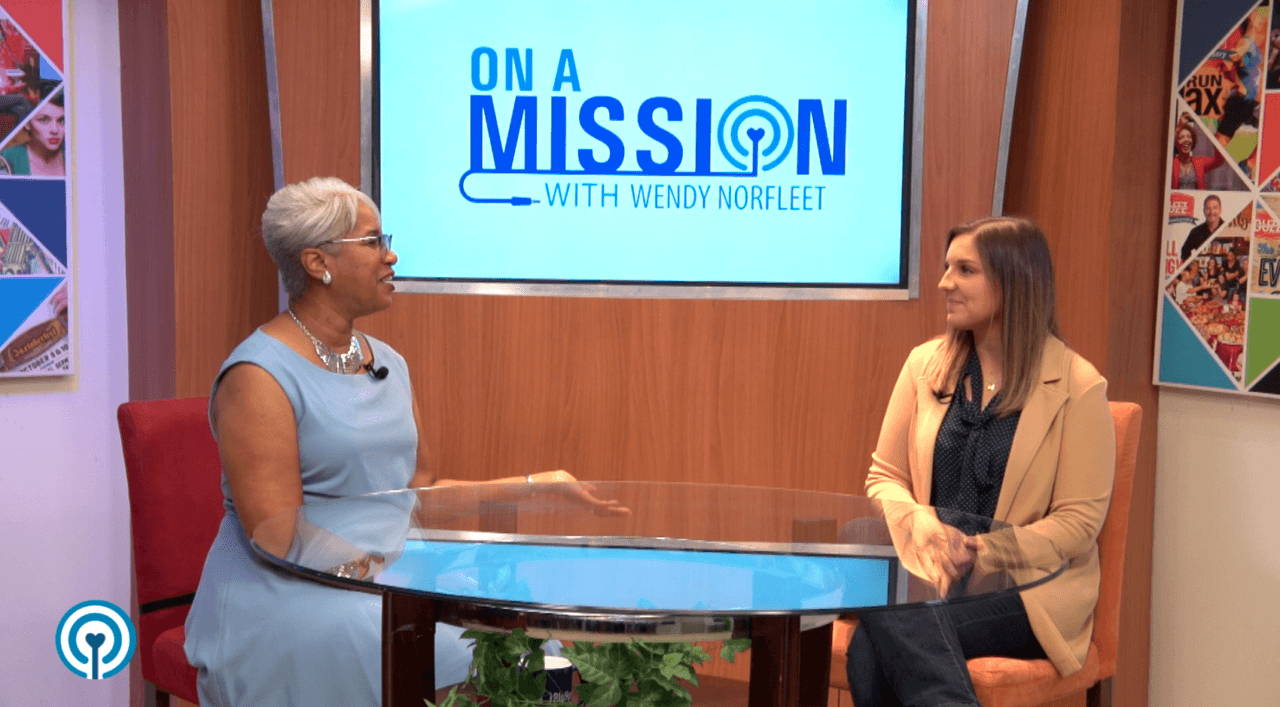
(383,240)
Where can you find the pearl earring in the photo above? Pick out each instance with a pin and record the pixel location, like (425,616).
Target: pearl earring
(326,278)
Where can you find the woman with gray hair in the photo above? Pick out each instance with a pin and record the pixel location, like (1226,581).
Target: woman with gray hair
(308,408)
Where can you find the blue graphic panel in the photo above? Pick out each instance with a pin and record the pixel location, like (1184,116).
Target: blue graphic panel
(41,206)
(1184,357)
(637,578)
(47,71)
(1204,24)
(19,296)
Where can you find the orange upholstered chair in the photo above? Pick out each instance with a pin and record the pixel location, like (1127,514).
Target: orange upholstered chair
(1010,682)
(175,505)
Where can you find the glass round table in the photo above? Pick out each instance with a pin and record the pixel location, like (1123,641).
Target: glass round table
(669,562)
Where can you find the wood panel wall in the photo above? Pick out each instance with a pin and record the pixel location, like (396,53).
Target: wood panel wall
(1087,161)
(197,174)
(773,393)
(769,393)
(148,189)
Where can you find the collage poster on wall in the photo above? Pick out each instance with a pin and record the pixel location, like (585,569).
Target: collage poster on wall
(35,326)
(1219,313)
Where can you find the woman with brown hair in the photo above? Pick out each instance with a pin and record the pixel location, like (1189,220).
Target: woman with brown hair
(998,419)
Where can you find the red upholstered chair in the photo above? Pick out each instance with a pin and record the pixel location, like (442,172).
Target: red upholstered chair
(175,503)
(1010,682)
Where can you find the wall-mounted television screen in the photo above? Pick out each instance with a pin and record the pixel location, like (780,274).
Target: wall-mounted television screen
(730,148)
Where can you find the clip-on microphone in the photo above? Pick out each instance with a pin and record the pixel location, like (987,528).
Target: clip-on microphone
(376,373)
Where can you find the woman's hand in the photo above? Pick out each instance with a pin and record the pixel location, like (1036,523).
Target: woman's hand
(579,491)
(944,553)
(364,567)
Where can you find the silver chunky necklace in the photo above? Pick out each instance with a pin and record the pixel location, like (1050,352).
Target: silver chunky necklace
(348,362)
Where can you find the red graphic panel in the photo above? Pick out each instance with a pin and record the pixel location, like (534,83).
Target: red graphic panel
(1270,160)
(42,20)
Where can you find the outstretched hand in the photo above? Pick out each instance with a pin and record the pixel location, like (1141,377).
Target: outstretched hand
(580,491)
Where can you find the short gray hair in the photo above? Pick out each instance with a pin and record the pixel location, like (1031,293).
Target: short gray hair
(305,215)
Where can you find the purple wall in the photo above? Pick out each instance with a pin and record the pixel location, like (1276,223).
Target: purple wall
(64,519)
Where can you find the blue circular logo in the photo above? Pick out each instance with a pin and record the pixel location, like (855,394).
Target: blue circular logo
(95,639)
(758,118)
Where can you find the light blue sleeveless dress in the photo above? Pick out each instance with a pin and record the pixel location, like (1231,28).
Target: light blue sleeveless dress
(259,636)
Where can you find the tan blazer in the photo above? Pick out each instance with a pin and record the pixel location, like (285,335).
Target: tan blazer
(1057,483)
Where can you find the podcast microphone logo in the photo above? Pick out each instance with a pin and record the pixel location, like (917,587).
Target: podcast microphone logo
(95,639)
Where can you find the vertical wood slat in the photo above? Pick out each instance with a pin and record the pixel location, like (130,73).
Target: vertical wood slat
(148,191)
(1089,166)
(318,65)
(224,282)
(1146,41)
(197,174)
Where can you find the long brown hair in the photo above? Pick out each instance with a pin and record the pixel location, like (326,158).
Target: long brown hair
(1016,257)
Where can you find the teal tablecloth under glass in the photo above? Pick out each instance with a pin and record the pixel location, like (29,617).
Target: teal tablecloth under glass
(686,562)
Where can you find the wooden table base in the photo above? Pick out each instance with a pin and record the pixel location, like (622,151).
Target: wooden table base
(788,668)
(408,650)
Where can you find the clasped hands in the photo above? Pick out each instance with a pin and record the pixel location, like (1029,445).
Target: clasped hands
(943,554)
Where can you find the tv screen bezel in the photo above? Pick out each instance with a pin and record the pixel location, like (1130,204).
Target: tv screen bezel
(907,287)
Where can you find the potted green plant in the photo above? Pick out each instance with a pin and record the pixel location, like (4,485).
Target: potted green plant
(506,671)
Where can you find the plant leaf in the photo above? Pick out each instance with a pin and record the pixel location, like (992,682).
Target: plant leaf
(611,695)
(588,692)
(733,646)
(516,643)
(535,661)
(592,669)
(697,654)
(677,690)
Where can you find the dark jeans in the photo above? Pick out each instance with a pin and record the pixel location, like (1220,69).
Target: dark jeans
(916,656)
